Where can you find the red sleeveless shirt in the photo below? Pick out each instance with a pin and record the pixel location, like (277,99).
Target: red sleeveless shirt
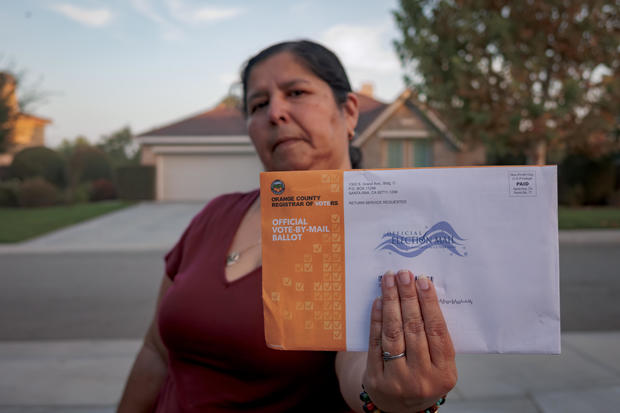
(213,329)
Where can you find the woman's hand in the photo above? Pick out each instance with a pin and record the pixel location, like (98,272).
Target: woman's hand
(407,319)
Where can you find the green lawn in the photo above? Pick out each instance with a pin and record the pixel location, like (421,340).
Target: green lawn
(593,217)
(19,224)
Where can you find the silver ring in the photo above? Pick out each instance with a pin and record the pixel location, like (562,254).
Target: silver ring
(387,356)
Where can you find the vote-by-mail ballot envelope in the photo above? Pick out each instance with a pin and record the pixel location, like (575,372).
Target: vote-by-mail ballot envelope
(487,236)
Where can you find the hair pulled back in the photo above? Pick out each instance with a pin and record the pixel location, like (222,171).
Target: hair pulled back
(320,61)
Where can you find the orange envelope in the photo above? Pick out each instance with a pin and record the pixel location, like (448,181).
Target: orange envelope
(303,255)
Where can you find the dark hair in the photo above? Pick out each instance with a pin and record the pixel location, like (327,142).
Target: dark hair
(319,60)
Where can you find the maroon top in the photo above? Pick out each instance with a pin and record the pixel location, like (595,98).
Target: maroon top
(213,329)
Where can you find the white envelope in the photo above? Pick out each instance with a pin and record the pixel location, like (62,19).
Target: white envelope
(488,236)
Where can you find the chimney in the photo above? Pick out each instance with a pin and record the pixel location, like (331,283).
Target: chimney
(367,89)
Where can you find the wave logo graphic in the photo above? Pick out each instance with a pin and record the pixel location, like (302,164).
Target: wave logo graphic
(441,235)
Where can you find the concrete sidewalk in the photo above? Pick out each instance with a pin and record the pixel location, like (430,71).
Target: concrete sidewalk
(88,376)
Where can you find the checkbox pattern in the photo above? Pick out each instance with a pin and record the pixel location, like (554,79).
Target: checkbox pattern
(307,299)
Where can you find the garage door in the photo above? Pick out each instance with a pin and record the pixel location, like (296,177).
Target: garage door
(202,177)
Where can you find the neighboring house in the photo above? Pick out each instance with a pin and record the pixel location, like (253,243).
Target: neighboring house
(405,134)
(27,129)
(201,156)
(210,153)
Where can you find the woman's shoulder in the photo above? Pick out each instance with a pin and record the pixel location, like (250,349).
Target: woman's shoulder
(234,196)
(231,198)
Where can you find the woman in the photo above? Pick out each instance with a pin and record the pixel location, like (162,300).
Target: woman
(205,350)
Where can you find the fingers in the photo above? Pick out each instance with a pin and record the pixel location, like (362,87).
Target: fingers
(437,335)
(408,318)
(413,321)
(392,338)
(375,359)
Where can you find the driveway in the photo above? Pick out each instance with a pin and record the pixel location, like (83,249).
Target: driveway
(151,226)
(143,227)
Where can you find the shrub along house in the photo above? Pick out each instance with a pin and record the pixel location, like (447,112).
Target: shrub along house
(210,153)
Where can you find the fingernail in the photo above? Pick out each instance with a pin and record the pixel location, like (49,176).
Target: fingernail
(422,282)
(404,277)
(389,279)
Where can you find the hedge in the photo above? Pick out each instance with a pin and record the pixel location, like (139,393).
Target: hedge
(135,182)
(39,161)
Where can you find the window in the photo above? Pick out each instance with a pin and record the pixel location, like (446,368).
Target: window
(395,153)
(422,152)
(403,153)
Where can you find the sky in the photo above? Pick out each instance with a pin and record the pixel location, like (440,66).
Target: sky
(102,65)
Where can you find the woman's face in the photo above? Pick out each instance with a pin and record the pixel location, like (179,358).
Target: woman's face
(293,118)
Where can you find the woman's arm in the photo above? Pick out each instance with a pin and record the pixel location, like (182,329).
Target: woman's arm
(150,368)
(405,319)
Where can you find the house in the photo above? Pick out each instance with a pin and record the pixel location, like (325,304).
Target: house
(27,129)
(210,153)
(201,156)
(406,134)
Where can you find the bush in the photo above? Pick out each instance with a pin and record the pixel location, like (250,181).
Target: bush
(136,182)
(586,181)
(8,193)
(88,164)
(77,194)
(616,162)
(572,196)
(5,172)
(36,192)
(39,161)
(101,190)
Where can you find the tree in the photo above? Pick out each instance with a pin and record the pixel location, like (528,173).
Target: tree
(231,101)
(67,147)
(7,109)
(522,77)
(120,148)
(88,164)
(41,162)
